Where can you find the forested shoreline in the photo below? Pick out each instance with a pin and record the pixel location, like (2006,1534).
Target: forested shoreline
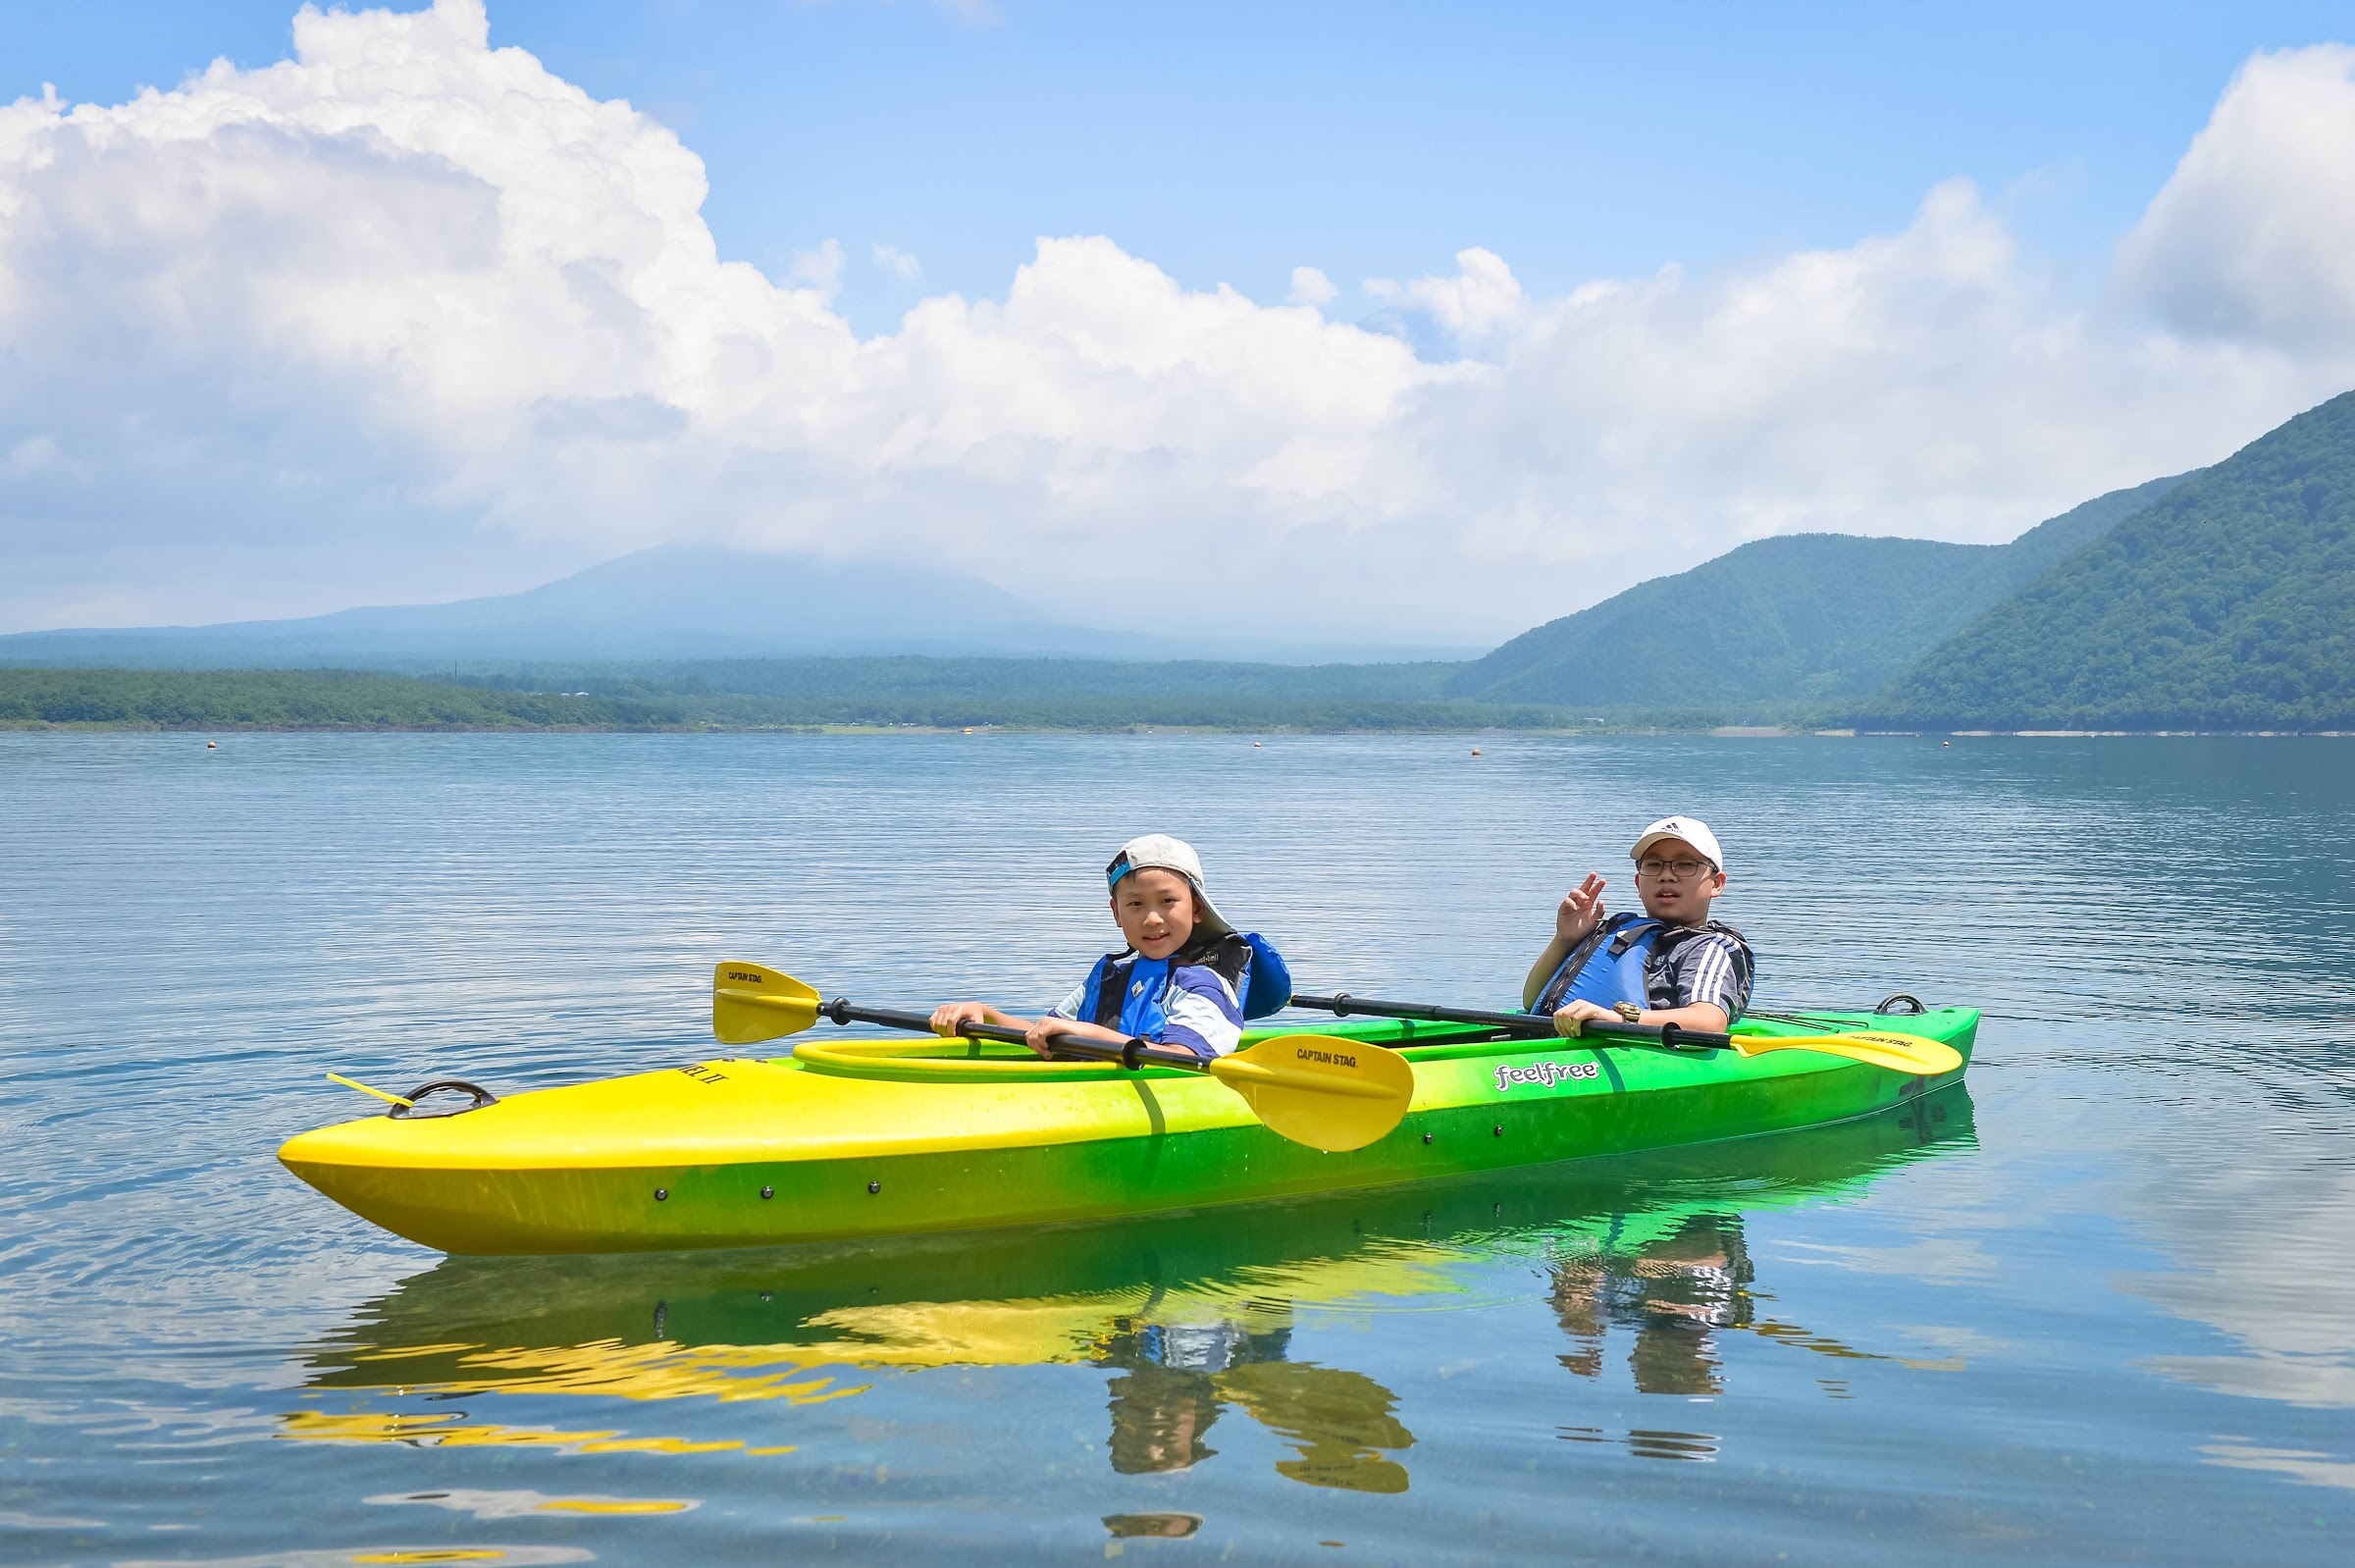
(898,697)
(356,699)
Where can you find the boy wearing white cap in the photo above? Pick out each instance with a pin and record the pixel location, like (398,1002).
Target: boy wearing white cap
(1670,965)
(1187,978)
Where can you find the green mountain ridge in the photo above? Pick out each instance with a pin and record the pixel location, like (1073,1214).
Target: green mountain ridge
(2228,604)
(1777,626)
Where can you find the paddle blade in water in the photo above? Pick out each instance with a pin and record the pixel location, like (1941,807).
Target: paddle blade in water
(1321,1090)
(1900,1053)
(751,1003)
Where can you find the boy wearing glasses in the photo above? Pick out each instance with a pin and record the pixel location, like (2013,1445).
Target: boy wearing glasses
(1670,965)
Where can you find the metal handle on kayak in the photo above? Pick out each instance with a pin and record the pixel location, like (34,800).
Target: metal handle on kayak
(1534,1025)
(1130,1054)
(411,1111)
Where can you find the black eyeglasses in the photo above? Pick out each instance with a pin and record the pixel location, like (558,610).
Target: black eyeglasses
(1685,870)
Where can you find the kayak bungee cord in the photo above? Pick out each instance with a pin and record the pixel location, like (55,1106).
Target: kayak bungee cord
(1900,1053)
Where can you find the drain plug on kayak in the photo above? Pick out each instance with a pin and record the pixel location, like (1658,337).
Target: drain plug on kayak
(873,1187)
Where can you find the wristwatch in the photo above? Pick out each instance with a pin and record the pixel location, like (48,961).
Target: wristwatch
(1628,1011)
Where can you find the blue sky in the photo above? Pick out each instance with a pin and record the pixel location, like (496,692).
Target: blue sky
(1231,142)
(1470,315)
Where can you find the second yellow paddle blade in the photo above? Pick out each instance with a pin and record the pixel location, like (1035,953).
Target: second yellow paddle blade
(751,1003)
(1900,1053)
(1320,1089)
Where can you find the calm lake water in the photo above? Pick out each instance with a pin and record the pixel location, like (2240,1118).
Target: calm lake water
(2098,1307)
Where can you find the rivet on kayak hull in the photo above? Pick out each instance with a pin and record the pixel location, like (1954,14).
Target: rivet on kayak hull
(1425,1138)
(661,1194)
(875,1188)
(768,1192)
(1498,1130)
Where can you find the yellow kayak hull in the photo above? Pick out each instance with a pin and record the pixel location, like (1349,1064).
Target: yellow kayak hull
(749,1152)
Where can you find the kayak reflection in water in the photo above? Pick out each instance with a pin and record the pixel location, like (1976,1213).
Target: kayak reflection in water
(1179,1376)
(1177,1323)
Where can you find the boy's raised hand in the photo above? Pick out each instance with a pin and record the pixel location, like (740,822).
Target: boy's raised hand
(1580,909)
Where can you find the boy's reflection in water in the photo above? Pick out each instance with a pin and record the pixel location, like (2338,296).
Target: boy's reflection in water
(1675,1294)
(1179,1376)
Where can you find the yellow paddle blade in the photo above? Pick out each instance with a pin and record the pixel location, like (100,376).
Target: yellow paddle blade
(1900,1053)
(751,1003)
(1321,1090)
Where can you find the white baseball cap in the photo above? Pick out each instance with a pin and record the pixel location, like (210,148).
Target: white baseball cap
(1162,852)
(1691,829)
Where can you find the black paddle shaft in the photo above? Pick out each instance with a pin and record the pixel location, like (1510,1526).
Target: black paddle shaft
(1130,1054)
(1534,1025)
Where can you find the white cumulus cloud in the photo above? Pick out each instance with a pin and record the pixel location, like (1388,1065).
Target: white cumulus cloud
(409,317)
(1483,298)
(1310,286)
(818,268)
(2254,237)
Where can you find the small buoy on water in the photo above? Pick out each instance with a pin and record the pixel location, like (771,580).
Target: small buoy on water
(1946,743)
(1475,751)
(212,746)
(968,729)
(1255,746)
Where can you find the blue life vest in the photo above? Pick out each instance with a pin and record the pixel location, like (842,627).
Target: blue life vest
(1606,967)
(1127,991)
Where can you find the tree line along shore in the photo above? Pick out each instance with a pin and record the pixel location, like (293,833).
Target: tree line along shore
(356,699)
(956,697)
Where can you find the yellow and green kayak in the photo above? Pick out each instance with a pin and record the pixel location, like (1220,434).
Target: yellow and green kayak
(875,1137)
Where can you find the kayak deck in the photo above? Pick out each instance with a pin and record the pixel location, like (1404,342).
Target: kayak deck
(879,1138)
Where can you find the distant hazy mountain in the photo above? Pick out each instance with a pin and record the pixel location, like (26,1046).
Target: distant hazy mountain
(2228,604)
(672,602)
(1781,622)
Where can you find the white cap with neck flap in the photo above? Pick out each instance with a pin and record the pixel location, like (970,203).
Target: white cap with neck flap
(1158,852)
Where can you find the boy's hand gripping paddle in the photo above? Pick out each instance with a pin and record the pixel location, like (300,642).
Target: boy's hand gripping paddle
(1316,1089)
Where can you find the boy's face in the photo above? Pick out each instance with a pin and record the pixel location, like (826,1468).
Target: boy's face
(1154,910)
(1676,882)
